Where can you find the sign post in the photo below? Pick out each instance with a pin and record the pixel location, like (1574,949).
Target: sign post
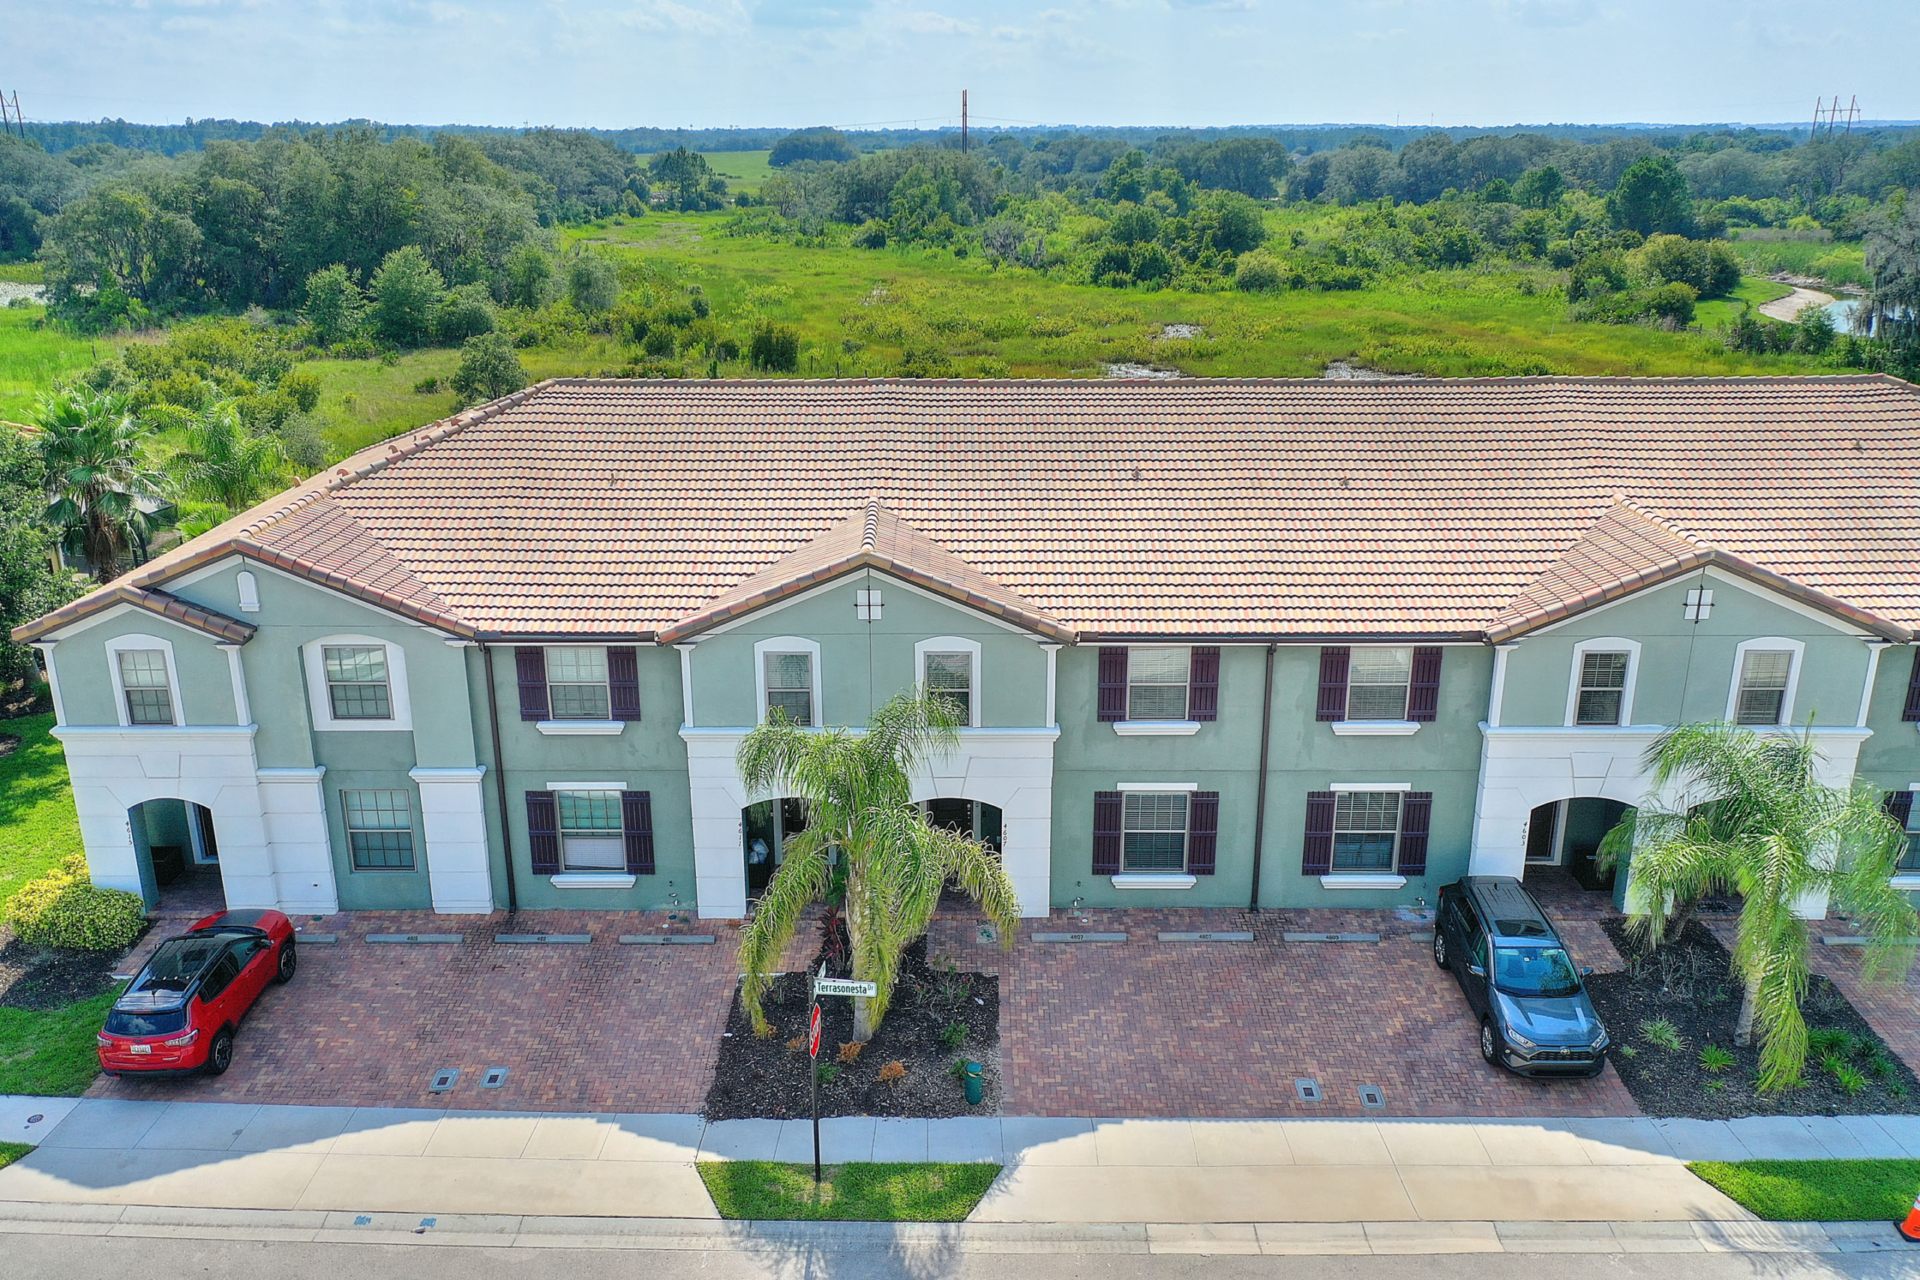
(825,986)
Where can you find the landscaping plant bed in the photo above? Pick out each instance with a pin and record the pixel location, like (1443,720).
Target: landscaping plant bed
(40,978)
(766,1078)
(1671,1014)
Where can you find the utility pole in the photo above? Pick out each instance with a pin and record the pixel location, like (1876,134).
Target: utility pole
(963,120)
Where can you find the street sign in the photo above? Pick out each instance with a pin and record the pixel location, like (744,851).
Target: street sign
(844,987)
(813,1033)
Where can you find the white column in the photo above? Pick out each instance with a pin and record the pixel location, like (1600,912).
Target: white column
(293,809)
(242,709)
(53,679)
(686,682)
(453,819)
(719,861)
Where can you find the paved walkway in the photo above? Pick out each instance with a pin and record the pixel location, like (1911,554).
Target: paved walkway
(1058,1170)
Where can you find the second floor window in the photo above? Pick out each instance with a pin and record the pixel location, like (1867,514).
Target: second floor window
(357,687)
(1603,684)
(1157,684)
(1762,697)
(577,684)
(1153,830)
(1377,682)
(143,676)
(950,676)
(379,830)
(789,679)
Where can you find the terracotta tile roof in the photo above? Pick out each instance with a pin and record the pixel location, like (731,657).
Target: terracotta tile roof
(1194,507)
(165,605)
(876,538)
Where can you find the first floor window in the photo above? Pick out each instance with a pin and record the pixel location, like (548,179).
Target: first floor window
(1763,686)
(950,676)
(1603,684)
(591,836)
(577,684)
(1901,805)
(379,830)
(1157,684)
(143,675)
(1366,827)
(789,678)
(1377,682)
(357,687)
(1154,831)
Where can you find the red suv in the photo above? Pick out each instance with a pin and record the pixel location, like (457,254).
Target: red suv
(180,1012)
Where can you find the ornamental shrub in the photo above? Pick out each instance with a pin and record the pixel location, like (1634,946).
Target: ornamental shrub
(64,908)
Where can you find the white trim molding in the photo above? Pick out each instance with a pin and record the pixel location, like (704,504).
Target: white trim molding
(320,704)
(1361,880)
(453,823)
(785,644)
(1768,644)
(592,880)
(1156,728)
(1374,728)
(1052,650)
(1875,648)
(1606,644)
(1498,695)
(686,682)
(951,644)
(1156,786)
(588,786)
(580,728)
(242,709)
(1369,786)
(133,642)
(53,680)
(1153,880)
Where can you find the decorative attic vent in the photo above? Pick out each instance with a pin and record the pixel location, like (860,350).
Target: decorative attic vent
(1699,606)
(866,604)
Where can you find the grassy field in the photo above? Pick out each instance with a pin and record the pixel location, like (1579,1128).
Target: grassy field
(51,1052)
(760,1190)
(1837,264)
(38,823)
(743,170)
(1818,1190)
(31,359)
(22,273)
(1753,290)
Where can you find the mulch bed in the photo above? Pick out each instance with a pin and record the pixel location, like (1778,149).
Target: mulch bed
(767,1078)
(51,977)
(1689,983)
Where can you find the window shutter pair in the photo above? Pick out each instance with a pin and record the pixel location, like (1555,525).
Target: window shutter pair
(543,832)
(1899,806)
(623,682)
(1416,819)
(1423,689)
(1203,684)
(1203,832)
(1912,713)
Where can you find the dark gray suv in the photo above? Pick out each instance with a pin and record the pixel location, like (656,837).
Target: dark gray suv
(1535,1017)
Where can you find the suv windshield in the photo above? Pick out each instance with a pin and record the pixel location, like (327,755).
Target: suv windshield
(1534,971)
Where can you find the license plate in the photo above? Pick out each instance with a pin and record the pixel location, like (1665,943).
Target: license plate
(139,1048)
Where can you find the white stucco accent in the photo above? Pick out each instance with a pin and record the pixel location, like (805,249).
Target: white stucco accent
(53,679)
(1775,644)
(270,824)
(1011,769)
(1607,644)
(1156,728)
(1374,728)
(242,707)
(320,703)
(459,870)
(787,644)
(134,642)
(951,644)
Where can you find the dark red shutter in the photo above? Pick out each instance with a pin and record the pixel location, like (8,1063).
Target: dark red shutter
(1899,807)
(1913,690)
(1316,856)
(1423,694)
(1106,832)
(1203,685)
(636,816)
(531,666)
(1416,815)
(623,682)
(1203,832)
(1113,685)
(543,832)
(1333,684)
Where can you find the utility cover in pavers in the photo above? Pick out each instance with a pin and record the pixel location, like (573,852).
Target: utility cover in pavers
(666,939)
(1330,937)
(1307,1090)
(1079,937)
(444,1079)
(535,939)
(413,937)
(1206,937)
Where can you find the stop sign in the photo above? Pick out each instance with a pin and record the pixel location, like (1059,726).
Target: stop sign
(813,1033)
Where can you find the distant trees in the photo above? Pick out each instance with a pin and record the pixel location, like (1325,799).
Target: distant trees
(92,451)
(1652,199)
(1709,266)
(489,368)
(406,293)
(225,462)
(690,181)
(335,305)
(811,144)
(1539,188)
(1891,311)
(774,347)
(593,283)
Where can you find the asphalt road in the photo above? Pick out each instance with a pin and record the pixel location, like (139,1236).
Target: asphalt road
(30,1257)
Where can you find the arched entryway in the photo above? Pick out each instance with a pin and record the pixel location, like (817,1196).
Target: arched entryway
(975,818)
(178,852)
(1563,837)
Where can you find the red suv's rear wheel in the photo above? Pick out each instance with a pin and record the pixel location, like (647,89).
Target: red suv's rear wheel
(220,1052)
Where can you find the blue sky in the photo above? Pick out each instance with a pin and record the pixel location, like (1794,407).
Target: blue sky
(706,63)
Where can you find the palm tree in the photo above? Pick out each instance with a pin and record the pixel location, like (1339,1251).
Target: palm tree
(862,825)
(1762,825)
(226,462)
(96,473)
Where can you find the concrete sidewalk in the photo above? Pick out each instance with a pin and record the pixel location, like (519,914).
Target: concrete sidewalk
(373,1160)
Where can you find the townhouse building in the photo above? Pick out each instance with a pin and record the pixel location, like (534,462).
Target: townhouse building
(1216,642)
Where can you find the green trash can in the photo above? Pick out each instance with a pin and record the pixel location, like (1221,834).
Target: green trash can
(976,1084)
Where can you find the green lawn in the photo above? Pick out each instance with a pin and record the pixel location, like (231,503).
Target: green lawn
(11,1151)
(1818,1190)
(743,170)
(1753,290)
(31,359)
(762,1190)
(51,1052)
(38,824)
(22,273)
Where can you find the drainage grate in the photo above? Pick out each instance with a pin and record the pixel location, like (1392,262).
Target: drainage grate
(567,939)
(1371,1096)
(665,939)
(444,1079)
(1079,937)
(495,1077)
(1206,937)
(1308,1090)
(1331,937)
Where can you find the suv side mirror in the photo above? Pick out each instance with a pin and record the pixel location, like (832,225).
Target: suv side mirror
(1476,971)
(1586,971)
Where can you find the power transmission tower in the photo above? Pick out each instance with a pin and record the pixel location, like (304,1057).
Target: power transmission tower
(963,120)
(6,126)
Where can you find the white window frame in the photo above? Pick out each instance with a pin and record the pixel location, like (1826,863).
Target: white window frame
(1605,644)
(412,829)
(786,644)
(320,705)
(138,641)
(1797,648)
(1173,724)
(606,665)
(1399,823)
(1186,831)
(940,644)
